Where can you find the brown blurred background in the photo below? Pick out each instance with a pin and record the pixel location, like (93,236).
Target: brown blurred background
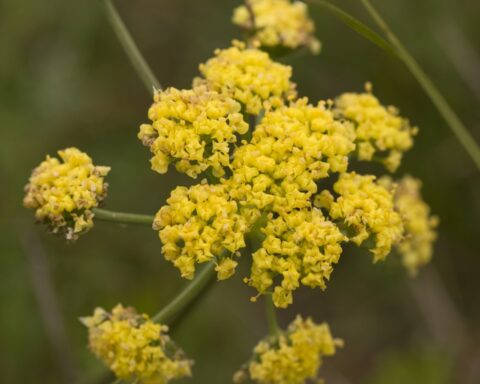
(65,81)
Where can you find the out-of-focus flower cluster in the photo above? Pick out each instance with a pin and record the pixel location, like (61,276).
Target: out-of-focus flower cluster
(416,247)
(64,191)
(134,347)
(292,357)
(285,187)
(277,23)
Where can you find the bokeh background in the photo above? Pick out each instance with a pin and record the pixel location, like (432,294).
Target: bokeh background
(65,81)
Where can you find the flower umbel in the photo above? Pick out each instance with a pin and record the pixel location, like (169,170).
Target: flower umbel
(416,247)
(381,133)
(292,358)
(194,129)
(249,76)
(301,247)
(199,224)
(134,347)
(64,191)
(365,210)
(277,23)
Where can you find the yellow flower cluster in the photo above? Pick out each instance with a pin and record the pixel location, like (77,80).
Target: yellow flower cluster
(301,247)
(416,247)
(134,347)
(63,192)
(277,23)
(200,224)
(365,210)
(249,76)
(292,148)
(274,177)
(294,358)
(381,133)
(192,128)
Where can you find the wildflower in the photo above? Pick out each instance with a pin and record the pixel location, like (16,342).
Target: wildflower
(416,247)
(249,76)
(134,347)
(194,129)
(381,133)
(365,210)
(301,248)
(277,23)
(199,224)
(292,358)
(64,191)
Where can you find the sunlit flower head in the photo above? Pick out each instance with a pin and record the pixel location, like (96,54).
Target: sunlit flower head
(300,248)
(277,23)
(193,129)
(64,190)
(134,347)
(294,357)
(291,149)
(201,224)
(365,211)
(249,76)
(381,133)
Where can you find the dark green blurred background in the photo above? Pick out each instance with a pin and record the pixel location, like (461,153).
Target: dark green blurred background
(65,81)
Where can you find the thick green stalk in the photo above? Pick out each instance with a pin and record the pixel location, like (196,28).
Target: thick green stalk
(139,63)
(186,297)
(122,217)
(273,328)
(453,121)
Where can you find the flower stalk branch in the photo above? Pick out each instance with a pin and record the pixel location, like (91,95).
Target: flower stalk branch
(273,328)
(139,63)
(189,294)
(122,217)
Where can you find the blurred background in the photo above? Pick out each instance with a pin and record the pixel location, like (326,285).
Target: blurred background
(65,81)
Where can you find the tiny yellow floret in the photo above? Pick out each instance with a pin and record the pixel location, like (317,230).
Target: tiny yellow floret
(64,191)
(277,23)
(134,347)
(294,357)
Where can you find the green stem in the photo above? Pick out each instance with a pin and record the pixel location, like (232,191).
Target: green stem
(122,217)
(451,118)
(273,328)
(356,25)
(141,67)
(182,301)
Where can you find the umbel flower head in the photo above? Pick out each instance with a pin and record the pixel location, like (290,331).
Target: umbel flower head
(294,357)
(277,23)
(381,134)
(64,191)
(134,347)
(194,129)
(416,247)
(365,211)
(201,224)
(249,76)
(270,197)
